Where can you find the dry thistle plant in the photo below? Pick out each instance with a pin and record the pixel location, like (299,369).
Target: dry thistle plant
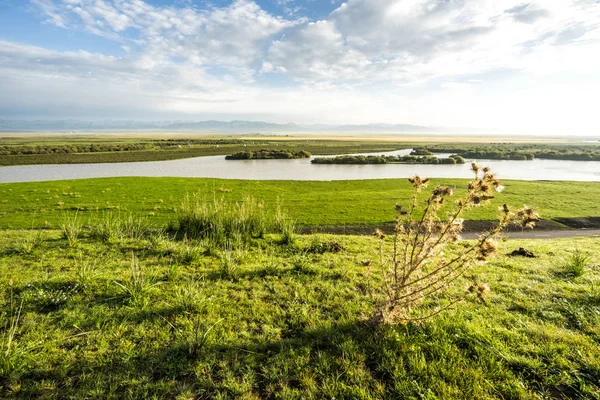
(421,264)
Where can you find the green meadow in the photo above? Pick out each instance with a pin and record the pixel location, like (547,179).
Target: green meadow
(151,317)
(172,288)
(309,203)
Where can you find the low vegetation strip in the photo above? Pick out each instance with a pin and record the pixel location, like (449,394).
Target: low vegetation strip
(410,159)
(309,203)
(264,154)
(508,151)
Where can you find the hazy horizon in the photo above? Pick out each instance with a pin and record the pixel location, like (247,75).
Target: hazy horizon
(508,67)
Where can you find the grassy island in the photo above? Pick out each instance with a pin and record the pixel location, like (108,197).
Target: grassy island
(412,159)
(511,151)
(264,154)
(420,151)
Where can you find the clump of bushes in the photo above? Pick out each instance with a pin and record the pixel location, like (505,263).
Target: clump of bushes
(411,159)
(269,155)
(421,151)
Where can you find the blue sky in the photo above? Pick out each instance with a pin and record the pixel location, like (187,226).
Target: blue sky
(500,66)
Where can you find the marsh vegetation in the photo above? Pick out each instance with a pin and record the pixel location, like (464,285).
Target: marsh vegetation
(523,151)
(263,154)
(410,159)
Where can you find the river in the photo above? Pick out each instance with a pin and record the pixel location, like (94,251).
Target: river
(218,167)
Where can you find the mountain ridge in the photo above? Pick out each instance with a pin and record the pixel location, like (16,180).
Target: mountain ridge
(208,126)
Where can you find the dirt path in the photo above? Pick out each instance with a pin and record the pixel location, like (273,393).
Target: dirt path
(543,234)
(545,230)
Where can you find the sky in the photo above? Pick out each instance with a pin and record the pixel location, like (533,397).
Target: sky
(507,66)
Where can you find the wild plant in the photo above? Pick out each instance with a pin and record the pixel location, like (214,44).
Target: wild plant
(85,270)
(199,336)
(302,264)
(423,262)
(230,262)
(72,227)
(28,243)
(269,262)
(285,226)
(136,227)
(173,271)
(209,247)
(576,263)
(320,246)
(189,297)
(112,226)
(12,356)
(156,240)
(138,287)
(189,253)
(106,227)
(49,295)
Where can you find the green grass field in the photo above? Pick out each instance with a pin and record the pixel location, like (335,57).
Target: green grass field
(369,202)
(272,321)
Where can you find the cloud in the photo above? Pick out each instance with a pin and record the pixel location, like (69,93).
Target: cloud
(52,12)
(408,41)
(230,37)
(361,42)
(528,13)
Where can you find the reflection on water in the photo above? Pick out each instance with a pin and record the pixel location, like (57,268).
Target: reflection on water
(217,167)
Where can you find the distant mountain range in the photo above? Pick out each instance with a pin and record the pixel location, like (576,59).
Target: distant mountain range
(72,125)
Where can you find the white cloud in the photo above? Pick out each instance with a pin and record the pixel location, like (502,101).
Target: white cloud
(230,37)
(53,13)
(408,41)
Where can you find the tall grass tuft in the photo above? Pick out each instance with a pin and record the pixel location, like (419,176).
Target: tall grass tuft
(285,226)
(199,336)
(136,227)
(222,221)
(576,263)
(85,270)
(72,228)
(230,262)
(12,357)
(138,288)
(189,253)
(28,243)
(105,227)
(189,297)
(112,226)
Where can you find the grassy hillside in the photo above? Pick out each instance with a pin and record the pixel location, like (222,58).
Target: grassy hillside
(273,321)
(370,202)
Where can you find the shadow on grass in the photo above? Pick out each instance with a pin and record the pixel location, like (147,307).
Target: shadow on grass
(443,359)
(342,360)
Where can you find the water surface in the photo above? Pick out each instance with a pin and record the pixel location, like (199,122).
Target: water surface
(218,167)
